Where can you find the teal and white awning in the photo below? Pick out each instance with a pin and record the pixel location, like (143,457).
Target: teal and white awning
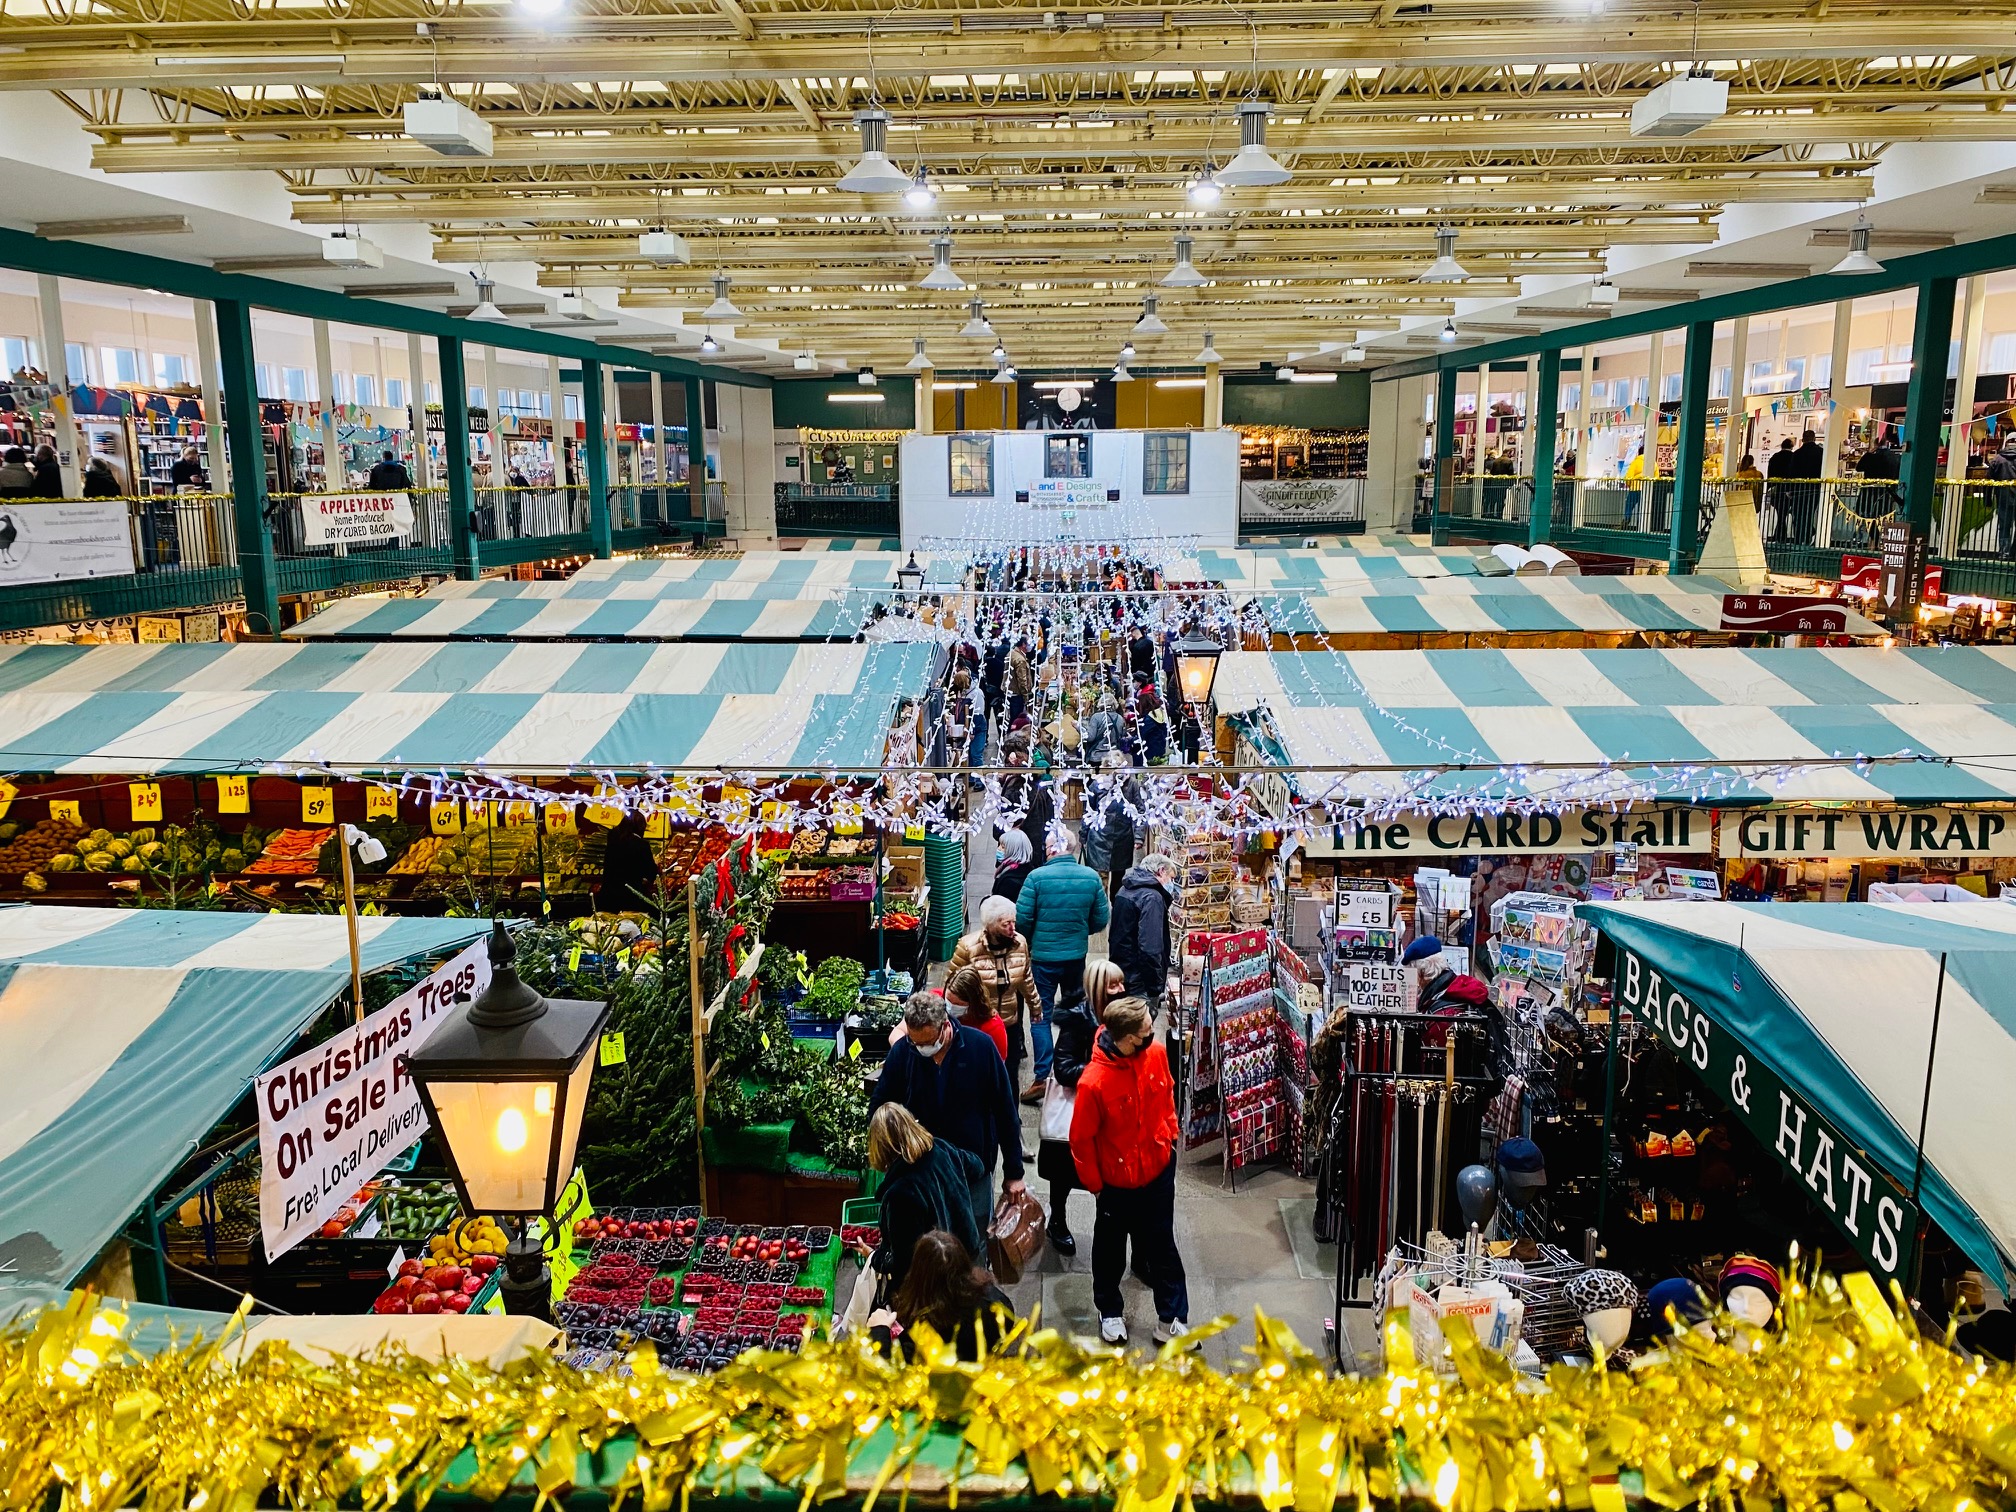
(1837,999)
(525,709)
(758,596)
(1511,605)
(126,1034)
(1741,726)
(1278,570)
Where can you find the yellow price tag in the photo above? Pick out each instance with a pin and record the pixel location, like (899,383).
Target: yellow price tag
(774,809)
(854,1049)
(318,805)
(765,1038)
(234,795)
(381,802)
(444,816)
(483,811)
(559,818)
(612,1049)
(65,809)
(848,826)
(603,810)
(7,791)
(574,959)
(145,798)
(914,832)
(658,826)
(680,800)
(735,803)
(517,815)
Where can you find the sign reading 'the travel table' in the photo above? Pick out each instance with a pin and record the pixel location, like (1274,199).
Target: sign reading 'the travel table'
(1886,832)
(1865,1203)
(1782,614)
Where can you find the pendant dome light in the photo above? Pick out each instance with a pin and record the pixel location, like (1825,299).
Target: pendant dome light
(1448,331)
(1209,353)
(1150,323)
(1127,350)
(921,195)
(1445,268)
(708,344)
(917,358)
(1184,275)
(1120,373)
(1005,373)
(1000,353)
(941,276)
(874,174)
(1252,166)
(977,327)
(486,303)
(1204,190)
(723,307)
(1858,259)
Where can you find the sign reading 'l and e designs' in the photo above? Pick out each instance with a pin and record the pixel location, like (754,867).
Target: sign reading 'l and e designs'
(1865,1203)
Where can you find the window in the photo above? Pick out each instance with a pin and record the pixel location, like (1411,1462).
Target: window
(432,391)
(395,391)
(1769,378)
(475,396)
(1165,463)
(339,388)
(972,467)
(573,403)
(545,404)
(262,378)
(2001,353)
(1718,383)
(1067,456)
(173,370)
(1571,397)
(367,388)
(76,362)
(1669,386)
(294,384)
(18,352)
(1820,370)
(121,365)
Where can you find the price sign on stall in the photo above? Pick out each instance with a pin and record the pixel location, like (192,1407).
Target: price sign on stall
(7,791)
(65,809)
(658,825)
(444,816)
(318,805)
(517,815)
(234,795)
(381,802)
(607,809)
(145,798)
(559,818)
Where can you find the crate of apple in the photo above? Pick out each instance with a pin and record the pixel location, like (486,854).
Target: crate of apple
(443,1289)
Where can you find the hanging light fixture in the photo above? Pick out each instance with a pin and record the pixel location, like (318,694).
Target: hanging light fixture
(917,358)
(1004,374)
(1858,259)
(1252,166)
(921,195)
(1127,350)
(874,174)
(977,327)
(1445,268)
(1355,352)
(1120,373)
(486,302)
(866,377)
(1208,353)
(1285,373)
(1000,353)
(1150,324)
(723,307)
(1605,293)
(941,276)
(806,361)
(1184,275)
(1197,668)
(1204,190)
(709,345)
(1448,331)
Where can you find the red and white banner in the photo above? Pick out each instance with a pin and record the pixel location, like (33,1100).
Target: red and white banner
(1783,614)
(1864,575)
(351,519)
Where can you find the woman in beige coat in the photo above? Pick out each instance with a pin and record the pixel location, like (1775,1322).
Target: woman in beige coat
(1001,956)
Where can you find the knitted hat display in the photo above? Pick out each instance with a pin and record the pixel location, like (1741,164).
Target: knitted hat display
(1687,1301)
(1748,1270)
(1595,1290)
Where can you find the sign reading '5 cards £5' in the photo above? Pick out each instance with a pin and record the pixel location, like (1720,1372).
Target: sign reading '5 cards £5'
(1879,1220)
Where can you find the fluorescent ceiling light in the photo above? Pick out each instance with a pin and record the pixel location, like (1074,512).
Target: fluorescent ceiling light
(866,377)
(486,304)
(1858,259)
(1150,323)
(540,7)
(954,383)
(1252,167)
(941,277)
(854,397)
(114,225)
(662,246)
(874,174)
(248,60)
(1312,378)
(1445,268)
(1204,189)
(1061,383)
(1605,293)
(723,307)
(346,251)
(1179,383)
(1184,275)
(917,357)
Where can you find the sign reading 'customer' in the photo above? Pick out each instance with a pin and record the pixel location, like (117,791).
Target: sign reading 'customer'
(1883,832)
(1864,1202)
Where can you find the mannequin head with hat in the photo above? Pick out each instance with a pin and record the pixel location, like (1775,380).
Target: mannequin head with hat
(1750,1289)
(1688,1304)
(1606,1299)
(1522,1171)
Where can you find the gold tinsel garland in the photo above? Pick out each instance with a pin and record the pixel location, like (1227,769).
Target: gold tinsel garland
(1843,1405)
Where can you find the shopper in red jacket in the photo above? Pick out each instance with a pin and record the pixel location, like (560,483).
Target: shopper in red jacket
(1123,1143)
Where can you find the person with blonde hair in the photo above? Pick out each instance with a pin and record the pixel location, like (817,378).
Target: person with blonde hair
(927,1184)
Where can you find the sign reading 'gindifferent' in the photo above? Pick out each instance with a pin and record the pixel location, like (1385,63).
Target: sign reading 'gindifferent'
(1864,1202)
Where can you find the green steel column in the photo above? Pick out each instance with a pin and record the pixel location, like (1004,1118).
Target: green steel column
(696,450)
(455,457)
(246,439)
(1683,540)
(1925,403)
(1540,425)
(595,448)
(1445,443)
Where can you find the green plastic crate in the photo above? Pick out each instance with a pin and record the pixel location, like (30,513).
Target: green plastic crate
(861,1212)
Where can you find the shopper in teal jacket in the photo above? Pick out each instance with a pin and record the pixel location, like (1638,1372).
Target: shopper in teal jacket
(1063,904)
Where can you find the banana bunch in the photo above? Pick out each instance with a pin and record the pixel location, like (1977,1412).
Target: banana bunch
(466,1238)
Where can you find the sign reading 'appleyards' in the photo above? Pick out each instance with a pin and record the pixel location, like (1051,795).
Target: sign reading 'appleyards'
(1865,1203)
(1894,832)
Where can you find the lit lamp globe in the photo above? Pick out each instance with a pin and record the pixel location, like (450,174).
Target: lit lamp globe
(1197,668)
(505,1082)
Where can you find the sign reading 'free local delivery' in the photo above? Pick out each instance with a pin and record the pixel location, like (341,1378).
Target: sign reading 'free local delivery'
(331,1117)
(1883,832)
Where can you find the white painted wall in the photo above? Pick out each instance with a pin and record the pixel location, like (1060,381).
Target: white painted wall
(1208,515)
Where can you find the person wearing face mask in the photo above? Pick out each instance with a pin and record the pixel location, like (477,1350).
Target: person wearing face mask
(956,1085)
(1012,866)
(1000,957)
(1123,1145)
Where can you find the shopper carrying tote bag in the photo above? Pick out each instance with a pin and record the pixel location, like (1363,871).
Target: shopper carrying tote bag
(1074,1024)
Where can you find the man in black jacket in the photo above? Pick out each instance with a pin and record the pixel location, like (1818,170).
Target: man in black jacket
(1137,938)
(389,475)
(955,1083)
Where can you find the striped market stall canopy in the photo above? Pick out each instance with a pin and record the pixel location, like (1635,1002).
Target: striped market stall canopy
(127,1034)
(1708,715)
(1516,605)
(1335,571)
(526,709)
(1837,1000)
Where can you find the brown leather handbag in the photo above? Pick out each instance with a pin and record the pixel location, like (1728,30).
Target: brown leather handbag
(1015,1236)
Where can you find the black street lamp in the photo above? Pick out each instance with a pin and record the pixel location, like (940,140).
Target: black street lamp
(505,1080)
(910,577)
(1197,668)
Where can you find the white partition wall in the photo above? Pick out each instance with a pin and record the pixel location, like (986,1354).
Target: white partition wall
(1167,489)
